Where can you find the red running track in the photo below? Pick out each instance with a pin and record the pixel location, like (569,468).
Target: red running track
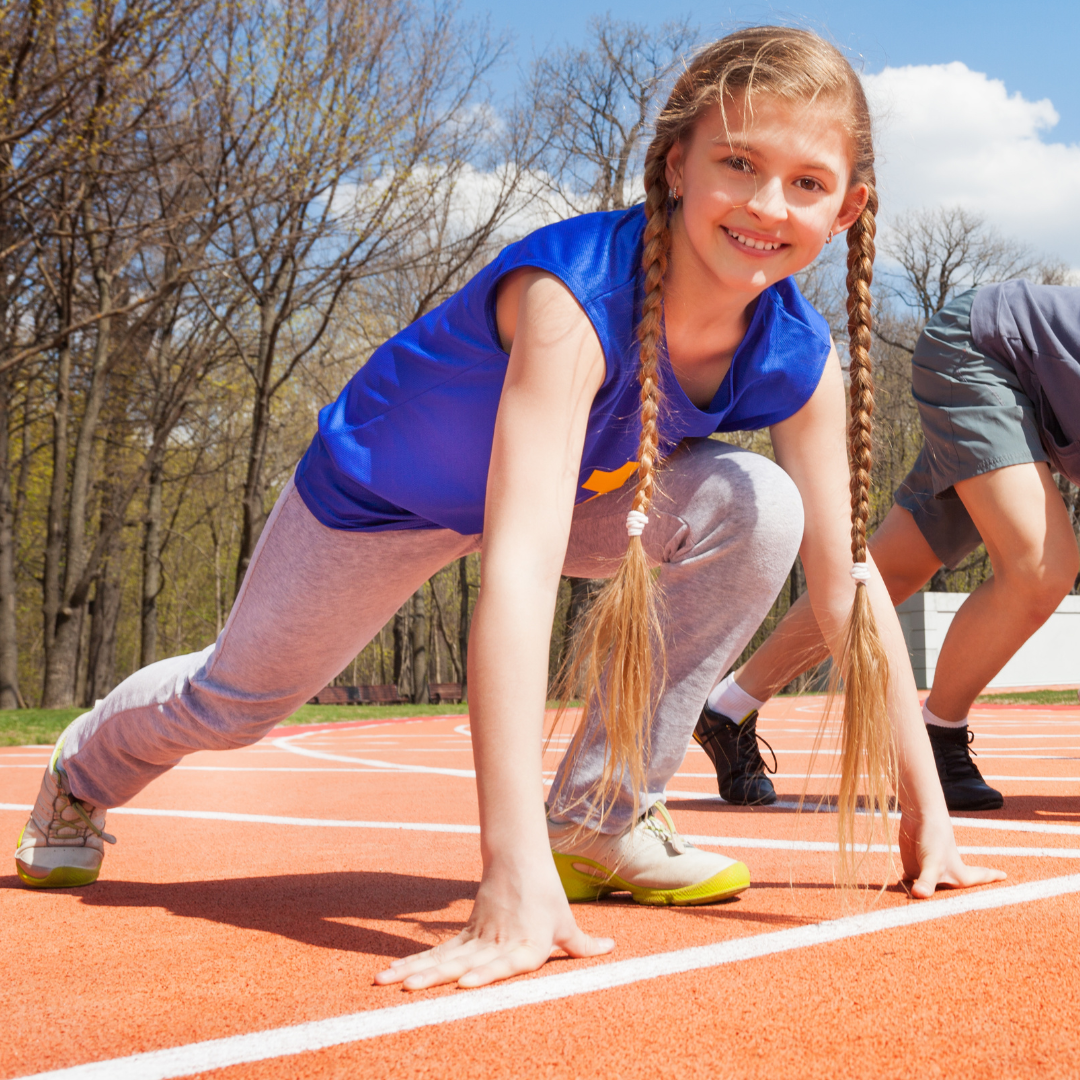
(253,894)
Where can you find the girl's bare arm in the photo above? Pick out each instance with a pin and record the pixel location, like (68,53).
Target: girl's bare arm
(810,447)
(555,368)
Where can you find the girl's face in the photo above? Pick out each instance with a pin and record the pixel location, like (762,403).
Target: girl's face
(760,195)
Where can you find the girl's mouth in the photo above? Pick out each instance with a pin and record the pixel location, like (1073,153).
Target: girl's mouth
(749,243)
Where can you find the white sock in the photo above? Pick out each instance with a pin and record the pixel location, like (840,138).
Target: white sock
(936,721)
(729,699)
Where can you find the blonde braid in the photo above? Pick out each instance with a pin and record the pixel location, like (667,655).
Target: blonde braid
(860,263)
(654,258)
(616,660)
(867,744)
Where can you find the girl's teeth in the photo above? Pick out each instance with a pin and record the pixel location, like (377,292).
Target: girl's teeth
(758,245)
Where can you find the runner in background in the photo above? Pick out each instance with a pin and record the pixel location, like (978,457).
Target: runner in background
(996,376)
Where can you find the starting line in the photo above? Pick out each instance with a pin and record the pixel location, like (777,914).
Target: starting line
(461,1005)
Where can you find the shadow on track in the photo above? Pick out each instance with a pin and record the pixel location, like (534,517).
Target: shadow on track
(304,907)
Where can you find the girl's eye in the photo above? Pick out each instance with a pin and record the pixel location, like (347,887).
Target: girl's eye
(808,183)
(740,164)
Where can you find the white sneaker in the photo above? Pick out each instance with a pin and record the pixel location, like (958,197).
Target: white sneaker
(649,860)
(61,845)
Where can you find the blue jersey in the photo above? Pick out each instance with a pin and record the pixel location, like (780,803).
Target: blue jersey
(407,444)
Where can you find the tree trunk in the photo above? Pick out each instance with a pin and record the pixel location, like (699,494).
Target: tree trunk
(151,569)
(254,512)
(463,624)
(401,627)
(9,641)
(105,620)
(61,660)
(419,648)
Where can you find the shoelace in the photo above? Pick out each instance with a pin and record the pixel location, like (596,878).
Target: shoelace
(658,821)
(958,757)
(77,806)
(775,765)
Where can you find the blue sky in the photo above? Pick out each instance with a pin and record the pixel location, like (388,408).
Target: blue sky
(979,132)
(1031,46)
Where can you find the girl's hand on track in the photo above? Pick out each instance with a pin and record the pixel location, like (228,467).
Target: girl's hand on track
(515,926)
(931,861)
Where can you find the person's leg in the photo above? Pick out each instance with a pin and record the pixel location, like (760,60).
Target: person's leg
(724,531)
(312,598)
(906,563)
(1029,538)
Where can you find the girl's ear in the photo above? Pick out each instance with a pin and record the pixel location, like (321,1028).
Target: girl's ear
(854,204)
(673,168)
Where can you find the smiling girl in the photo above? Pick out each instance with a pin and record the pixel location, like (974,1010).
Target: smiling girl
(512,420)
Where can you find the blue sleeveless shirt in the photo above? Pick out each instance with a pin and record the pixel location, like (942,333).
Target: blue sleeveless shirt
(407,444)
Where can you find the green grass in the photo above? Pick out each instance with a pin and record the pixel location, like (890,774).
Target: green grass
(40,727)
(34,727)
(1031,697)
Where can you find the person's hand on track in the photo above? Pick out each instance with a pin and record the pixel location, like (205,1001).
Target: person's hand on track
(931,861)
(516,924)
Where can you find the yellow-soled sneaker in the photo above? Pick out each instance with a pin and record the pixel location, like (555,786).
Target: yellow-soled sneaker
(649,860)
(62,844)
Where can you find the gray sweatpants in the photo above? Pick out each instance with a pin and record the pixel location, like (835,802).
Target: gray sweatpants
(724,532)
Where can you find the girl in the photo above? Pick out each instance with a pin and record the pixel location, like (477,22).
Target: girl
(510,420)
(996,375)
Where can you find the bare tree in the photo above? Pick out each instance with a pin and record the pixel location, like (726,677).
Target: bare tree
(940,252)
(598,101)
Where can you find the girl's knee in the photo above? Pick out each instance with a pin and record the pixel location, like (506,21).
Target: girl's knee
(735,497)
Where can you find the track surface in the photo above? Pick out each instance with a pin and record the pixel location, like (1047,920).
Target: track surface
(239,921)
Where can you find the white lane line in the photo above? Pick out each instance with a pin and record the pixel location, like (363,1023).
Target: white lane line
(878,849)
(274,819)
(766,843)
(320,1034)
(811,807)
(290,745)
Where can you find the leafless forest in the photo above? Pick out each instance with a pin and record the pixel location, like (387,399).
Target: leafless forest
(212,210)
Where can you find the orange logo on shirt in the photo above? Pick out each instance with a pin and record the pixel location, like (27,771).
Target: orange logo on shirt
(601,481)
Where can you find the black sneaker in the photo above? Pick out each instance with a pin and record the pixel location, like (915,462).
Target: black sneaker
(964,787)
(733,749)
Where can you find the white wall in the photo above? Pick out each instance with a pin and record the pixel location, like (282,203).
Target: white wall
(1049,657)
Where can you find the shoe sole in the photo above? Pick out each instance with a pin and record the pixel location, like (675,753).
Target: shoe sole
(969,807)
(767,801)
(60,877)
(583,887)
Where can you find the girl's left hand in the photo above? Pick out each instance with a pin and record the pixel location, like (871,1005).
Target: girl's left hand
(519,920)
(930,859)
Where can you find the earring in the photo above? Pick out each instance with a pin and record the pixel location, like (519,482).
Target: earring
(828,239)
(673,194)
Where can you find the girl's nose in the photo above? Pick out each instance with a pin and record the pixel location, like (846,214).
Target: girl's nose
(767,203)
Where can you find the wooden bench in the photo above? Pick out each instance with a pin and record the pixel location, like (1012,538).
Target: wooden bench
(358,695)
(442,692)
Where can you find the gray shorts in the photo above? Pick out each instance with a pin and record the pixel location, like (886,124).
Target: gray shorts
(975,418)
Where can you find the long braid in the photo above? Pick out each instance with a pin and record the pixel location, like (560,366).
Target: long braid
(860,263)
(867,743)
(654,258)
(622,629)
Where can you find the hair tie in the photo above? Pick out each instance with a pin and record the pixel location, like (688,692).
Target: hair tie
(636,521)
(860,572)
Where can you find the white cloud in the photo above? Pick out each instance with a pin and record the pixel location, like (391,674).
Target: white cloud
(949,136)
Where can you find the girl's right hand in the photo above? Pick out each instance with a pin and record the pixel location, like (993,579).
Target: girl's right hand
(517,922)
(931,861)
